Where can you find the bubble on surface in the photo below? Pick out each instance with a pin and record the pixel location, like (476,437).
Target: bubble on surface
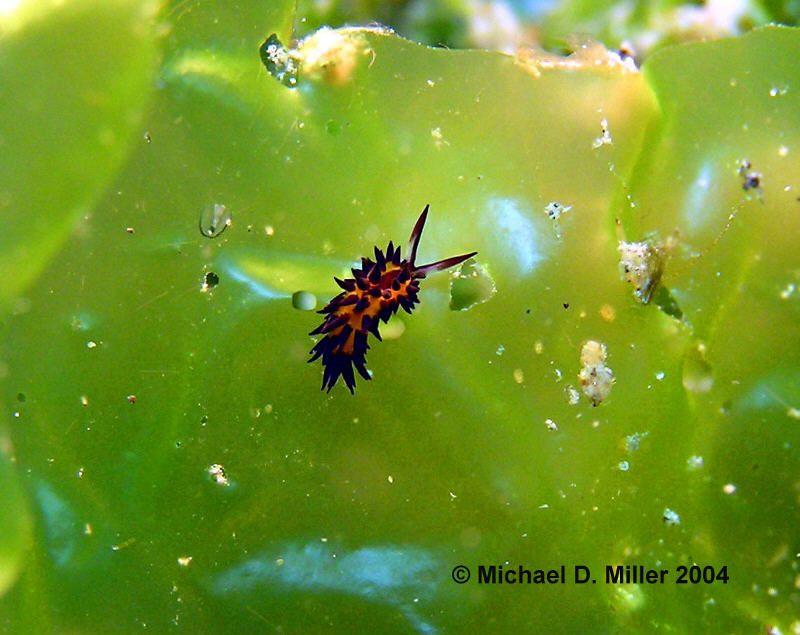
(393,329)
(214,219)
(304,300)
(697,377)
(470,285)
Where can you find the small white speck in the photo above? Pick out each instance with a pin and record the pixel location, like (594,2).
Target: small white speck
(453,496)
(694,462)
(438,137)
(623,466)
(783,151)
(184,561)
(551,425)
(217,472)
(670,517)
(660,375)
(633,441)
(729,488)
(573,396)
(555,210)
(91,344)
(390,478)
(605,135)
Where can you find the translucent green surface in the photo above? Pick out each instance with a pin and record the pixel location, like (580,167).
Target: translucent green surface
(167,457)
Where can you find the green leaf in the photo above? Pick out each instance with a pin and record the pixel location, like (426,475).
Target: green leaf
(75,77)
(221,489)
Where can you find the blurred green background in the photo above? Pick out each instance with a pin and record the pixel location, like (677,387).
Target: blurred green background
(166,458)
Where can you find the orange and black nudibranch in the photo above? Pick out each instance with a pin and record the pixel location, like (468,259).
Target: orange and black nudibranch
(374,293)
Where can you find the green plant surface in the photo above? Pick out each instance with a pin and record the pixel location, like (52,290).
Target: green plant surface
(70,100)
(72,94)
(179,463)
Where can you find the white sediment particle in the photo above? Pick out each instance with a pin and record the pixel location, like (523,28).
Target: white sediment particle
(217,473)
(573,396)
(595,377)
(438,137)
(605,135)
(556,210)
(633,441)
(694,462)
(670,517)
(641,264)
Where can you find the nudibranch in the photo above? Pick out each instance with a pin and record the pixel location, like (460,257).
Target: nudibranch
(374,293)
